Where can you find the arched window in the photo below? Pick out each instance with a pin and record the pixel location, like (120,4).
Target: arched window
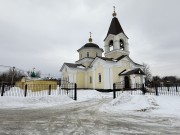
(111,45)
(96,54)
(121,44)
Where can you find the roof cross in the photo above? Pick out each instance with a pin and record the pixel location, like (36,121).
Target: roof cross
(114,8)
(90,39)
(90,34)
(114,14)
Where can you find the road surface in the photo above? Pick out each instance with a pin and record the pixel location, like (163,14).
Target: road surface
(82,118)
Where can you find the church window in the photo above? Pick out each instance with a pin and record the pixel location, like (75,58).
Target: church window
(99,78)
(96,54)
(121,44)
(87,54)
(90,79)
(111,45)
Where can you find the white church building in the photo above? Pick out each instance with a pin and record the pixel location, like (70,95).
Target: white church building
(93,71)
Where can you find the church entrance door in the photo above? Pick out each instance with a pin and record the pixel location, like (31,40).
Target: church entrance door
(127,84)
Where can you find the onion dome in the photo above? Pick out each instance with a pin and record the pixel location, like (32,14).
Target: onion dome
(90,45)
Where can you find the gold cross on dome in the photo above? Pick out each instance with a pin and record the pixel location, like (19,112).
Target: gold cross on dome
(114,14)
(90,34)
(90,39)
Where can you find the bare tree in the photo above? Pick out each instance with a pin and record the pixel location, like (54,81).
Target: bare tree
(147,72)
(170,79)
(7,76)
(38,74)
(156,78)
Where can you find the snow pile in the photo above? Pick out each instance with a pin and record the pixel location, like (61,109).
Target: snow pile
(84,95)
(132,103)
(159,105)
(33,102)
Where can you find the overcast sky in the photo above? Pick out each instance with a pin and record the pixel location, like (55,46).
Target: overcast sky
(46,33)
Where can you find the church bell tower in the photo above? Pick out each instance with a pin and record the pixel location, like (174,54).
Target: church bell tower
(116,41)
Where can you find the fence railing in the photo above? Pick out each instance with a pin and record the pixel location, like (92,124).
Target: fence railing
(172,89)
(30,90)
(153,89)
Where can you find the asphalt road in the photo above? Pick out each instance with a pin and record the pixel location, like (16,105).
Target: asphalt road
(83,118)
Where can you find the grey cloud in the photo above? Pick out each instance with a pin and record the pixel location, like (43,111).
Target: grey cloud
(44,34)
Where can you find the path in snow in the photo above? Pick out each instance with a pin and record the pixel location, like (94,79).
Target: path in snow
(83,118)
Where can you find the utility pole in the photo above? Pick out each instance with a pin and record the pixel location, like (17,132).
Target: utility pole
(12,80)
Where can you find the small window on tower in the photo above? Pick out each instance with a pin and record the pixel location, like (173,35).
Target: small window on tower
(111,45)
(88,54)
(99,78)
(96,54)
(121,44)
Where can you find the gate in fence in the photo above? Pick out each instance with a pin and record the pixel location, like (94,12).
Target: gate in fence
(119,88)
(69,89)
(152,89)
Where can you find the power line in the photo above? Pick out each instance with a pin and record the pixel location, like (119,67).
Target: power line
(5,66)
(25,71)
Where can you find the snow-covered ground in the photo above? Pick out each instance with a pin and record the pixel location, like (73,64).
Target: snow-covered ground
(158,105)
(93,113)
(42,99)
(163,105)
(33,102)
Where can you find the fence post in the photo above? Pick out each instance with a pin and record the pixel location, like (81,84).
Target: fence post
(143,89)
(2,91)
(168,86)
(25,92)
(59,82)
(156,89)
(49,93)
(75,91)
(176,88)
(114,90)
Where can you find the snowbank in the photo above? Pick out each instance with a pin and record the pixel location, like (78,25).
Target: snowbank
(40,99)
(33,102)
(84,95)
(164,105)
(132,103)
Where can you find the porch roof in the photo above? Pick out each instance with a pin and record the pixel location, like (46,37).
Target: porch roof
(136,71)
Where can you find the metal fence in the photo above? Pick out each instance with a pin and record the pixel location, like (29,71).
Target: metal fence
(69,89)
(172,89)
(141,89)
(119,88)
(31,90)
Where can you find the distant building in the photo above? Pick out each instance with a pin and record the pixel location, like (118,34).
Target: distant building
(92,71)
(36,84)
